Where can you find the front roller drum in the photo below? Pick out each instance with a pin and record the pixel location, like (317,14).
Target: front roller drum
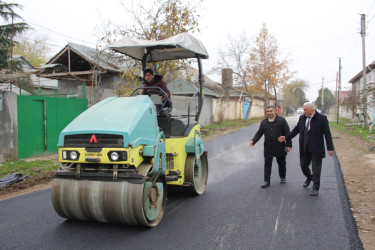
(110,201)
(196,173)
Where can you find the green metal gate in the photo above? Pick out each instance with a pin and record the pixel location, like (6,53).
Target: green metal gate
(40,121)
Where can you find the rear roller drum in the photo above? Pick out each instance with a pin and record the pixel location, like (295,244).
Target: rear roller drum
(196,173)
(111,201)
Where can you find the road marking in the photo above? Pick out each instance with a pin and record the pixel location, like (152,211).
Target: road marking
(277,218)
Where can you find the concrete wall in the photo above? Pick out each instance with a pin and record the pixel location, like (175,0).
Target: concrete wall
(213,108)
(92,94)
(232,110)
(227,110)
(8,127)
(257,111)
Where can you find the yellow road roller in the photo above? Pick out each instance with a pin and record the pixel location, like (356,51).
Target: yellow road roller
(118,158)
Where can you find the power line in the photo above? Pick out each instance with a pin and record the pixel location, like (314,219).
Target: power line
(30,39)
(320,83)
(60,34)
(320,42)
(347,58)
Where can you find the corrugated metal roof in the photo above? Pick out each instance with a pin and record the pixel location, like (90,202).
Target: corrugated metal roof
(183,87)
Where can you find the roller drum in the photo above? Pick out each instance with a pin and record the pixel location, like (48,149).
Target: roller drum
(109,201)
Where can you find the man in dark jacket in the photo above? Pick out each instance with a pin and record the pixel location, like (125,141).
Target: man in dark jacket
(152,80)
(273,127)
(312,128)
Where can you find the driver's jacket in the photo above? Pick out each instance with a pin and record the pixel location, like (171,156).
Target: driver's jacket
(157,82)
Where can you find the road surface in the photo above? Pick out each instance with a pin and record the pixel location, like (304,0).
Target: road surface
(233,213)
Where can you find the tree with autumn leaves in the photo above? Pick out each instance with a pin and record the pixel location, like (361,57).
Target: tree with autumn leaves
(257,66)
(267,72)
(165,18)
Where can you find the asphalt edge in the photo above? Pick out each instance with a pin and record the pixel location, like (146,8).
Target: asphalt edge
(354,241)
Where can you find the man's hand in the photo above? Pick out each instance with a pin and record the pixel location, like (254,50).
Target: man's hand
(330,152)
(281,138)
(251,143)
(288,148)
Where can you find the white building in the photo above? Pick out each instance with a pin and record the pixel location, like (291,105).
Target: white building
(358,86)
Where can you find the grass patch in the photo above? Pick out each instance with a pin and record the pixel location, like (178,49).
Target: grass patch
(217,128)
(31,168)
(347,126)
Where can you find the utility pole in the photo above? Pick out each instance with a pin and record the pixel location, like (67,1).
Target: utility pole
(322,104)
(364,73)
(338,92)
(336,97)
(11,52)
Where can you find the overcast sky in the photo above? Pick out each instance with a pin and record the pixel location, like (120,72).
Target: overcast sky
(312,34)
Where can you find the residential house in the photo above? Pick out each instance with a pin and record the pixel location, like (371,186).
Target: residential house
(27,71)
(80,69)
(358,87)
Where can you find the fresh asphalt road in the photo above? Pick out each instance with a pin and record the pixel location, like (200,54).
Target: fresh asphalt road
(233,213)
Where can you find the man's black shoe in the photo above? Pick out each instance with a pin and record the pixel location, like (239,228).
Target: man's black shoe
(314,192)
(282,180)
(307,183)
(265,184)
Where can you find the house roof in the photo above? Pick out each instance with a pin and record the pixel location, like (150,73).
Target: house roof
(80,59)
(215,87)
(256,93)
(26,65)
(183,87)
(358,76)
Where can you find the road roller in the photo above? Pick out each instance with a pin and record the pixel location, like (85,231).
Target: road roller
(118,157)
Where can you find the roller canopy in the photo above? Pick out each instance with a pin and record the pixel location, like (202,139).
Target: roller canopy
(181,46)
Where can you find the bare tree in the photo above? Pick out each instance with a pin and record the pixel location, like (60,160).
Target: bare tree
(235,56)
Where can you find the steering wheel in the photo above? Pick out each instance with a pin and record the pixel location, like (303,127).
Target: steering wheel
(154,90)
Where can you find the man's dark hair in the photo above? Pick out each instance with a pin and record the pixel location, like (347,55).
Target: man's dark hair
(270,107)
(149,71)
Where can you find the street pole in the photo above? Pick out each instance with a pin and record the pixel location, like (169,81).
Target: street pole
(338,92)
(364,73)
(336,97)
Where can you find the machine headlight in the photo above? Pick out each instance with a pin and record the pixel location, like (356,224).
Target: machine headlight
(73,155)
(117,155)
(114,156)
(64,155)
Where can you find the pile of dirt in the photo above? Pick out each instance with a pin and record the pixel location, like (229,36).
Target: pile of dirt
(26,184)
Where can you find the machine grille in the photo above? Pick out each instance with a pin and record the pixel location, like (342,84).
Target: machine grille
(170,162)
(94,140)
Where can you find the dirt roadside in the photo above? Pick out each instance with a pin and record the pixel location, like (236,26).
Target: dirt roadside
(358,168)
(357,165)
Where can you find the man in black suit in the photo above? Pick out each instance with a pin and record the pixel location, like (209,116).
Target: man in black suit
(311,127)
(272,127)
